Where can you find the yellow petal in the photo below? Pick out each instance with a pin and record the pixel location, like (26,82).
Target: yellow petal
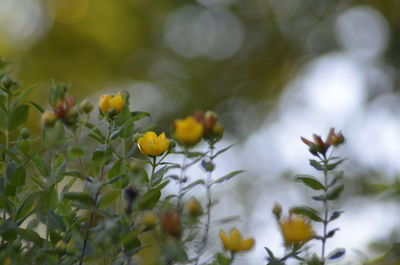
(150,136)
(117,102)
(104,103)
(247,244)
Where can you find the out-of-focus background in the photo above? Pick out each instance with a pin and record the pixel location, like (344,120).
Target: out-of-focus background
(274,69)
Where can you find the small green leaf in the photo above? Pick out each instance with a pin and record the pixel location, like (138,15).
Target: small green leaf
(228,176)
(335,215)
(158,176)
(149,199)
(332,232)
(109,198)
(335,193)
(75,151)
(137,115)
(81,197)
(36,106)
(334,165)
(18,117)
(337,253)
(22,96)
(321,197)
(195,183)
(32,236)
(102,157)
(119,168)
(307,211)
(310,182)
(316,164)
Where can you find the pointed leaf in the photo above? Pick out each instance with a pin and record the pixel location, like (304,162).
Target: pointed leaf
(310,182)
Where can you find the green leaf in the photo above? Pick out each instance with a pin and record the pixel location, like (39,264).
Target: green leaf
(335,215)
(18,117)
(54,135)
(76,151)
(47,199)
(307,211)
(22,96)
(335,193)
(334,165)
(102,157)
(119,168)
(195,183)
(158,176)
(335,178)
(321,197)
(149,200)
(32,236)
(223,260)
(36,106)
(81,197)
(316,164)
(332,232)
(137,115)
(310,182)
(56,221)
(223,150)
(109,198)
(228,176)
(337,253)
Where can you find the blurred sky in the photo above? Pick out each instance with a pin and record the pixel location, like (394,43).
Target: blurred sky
(274,69)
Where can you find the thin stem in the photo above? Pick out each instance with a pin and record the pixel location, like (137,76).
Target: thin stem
(153,165)
(208,208)
(6,134)
(326,209)
(95,200)
(181,178)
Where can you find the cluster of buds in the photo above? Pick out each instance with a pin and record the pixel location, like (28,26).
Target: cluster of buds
(321,147)
(212,129)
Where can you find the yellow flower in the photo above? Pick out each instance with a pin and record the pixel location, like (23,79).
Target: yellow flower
(188,130)
(152,145)
(296,230)
(234,241)
(107,102)
(7,261)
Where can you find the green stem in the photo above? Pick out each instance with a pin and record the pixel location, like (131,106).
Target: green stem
(325,209)
(100,178)
(208,208)
(153,170)
(181,178)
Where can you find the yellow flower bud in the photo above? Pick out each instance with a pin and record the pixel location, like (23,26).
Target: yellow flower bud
(149,219)
(189,130)
(49,118)
(107,102)
(152,145)
(296,230)
(193,207)
(234,241)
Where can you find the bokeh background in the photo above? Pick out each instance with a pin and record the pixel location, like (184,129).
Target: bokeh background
(275,70)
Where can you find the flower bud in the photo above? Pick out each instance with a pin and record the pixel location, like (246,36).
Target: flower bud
(48,118)
(277,210)
(7,82)
(172,223)
(134,166)
(24,133)
(72,117)
(86,106)
(218,130)
(194,207)
(149,219)
(112,112)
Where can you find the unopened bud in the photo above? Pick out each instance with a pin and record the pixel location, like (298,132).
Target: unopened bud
(194,207)
(7,82)
(134,166)
(130,194)
(86,106)
(24,133)
(72,117)
(149,219)
(277,210)
(218,130)
(172,223)
(48,118)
